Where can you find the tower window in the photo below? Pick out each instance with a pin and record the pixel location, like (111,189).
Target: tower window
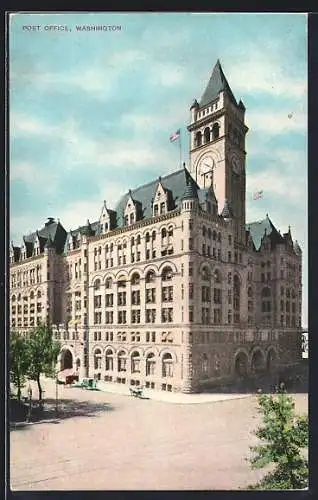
(215,131)
(198,139)
(206,135)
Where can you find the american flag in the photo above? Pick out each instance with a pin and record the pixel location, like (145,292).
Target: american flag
(258,195)
(175,136)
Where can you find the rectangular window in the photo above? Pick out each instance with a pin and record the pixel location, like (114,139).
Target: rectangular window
(98,301)
(121,317)
(135,316)
(190,269)
(135,297)
(191,315)
(167,293)
(167,315)
(150,315)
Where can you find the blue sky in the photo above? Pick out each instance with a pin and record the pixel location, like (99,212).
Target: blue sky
(91,112)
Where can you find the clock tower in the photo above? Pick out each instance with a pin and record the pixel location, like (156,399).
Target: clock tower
(217,146)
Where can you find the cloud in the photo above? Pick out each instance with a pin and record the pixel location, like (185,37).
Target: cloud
(34,176)
(276,122)
(261,73)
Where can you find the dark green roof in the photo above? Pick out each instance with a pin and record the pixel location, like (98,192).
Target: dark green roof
(176,183)
(227,211)
(258,230)
(51,229)
(217,84)
(191,190)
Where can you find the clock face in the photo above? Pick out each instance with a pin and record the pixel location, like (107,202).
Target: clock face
(206,166)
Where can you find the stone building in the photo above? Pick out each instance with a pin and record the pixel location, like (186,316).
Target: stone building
(172,289)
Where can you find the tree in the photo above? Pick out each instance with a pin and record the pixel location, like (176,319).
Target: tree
(19,361)
(43,353)
(284,437)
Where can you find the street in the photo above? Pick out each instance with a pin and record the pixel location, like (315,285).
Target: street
(107,441)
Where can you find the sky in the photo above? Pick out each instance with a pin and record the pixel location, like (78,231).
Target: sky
(91,112)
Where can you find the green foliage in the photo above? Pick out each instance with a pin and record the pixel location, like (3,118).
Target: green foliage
(43,353)
(283,436)
(19,361)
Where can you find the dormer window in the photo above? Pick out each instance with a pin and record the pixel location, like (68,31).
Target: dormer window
(160,205)
(130,212)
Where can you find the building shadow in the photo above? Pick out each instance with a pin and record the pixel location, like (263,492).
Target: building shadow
(295,380)
(67,408)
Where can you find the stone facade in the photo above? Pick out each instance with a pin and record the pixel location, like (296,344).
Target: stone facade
(172,290)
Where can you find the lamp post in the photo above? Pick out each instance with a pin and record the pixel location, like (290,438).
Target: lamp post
(56,394)
(30,403)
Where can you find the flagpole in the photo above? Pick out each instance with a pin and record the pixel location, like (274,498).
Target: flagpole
(180,149)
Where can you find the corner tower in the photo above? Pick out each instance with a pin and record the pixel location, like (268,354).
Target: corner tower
(217,146)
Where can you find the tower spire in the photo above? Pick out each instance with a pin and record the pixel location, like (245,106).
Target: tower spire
(216,84)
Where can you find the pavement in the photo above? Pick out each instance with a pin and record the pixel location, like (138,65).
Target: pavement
(107,441)
(171,397)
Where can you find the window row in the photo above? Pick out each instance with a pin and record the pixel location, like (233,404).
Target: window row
(133,363)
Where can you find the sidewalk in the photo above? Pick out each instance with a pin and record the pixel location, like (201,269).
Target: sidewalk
(170,397)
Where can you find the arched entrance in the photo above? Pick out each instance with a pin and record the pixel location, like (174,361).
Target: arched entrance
(66,359)
(257,362)
(241,362)
(271,361)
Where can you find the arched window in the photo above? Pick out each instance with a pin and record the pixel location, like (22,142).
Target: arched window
(150,364)
(132,241)
(236,298)
(249,292)
(163,232)
(135,279)
(153,235)
(215,131)
(198,139)
(135,362)
(219,237)
(150,276)
(204,231)
(138,239)
(13,298)
(170,231)
(204,364)
(97,284)
(108,283)
(214,235)
(166,274)
(32,295)
(217,276)
(121,283)
(122,361)
(109,360)
(206,275)
(207,135)
(209,233)
(167,365)
(97,359)
(147,237)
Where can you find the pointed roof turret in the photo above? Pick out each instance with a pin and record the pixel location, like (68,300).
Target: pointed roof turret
(195,104)
(49,243)
(217,84)
(297,248)
(227,212)
(190,191)
(87,230)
